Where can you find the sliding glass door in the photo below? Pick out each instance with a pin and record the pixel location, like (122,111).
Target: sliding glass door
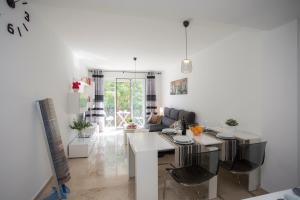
(124,99)
(138,101)
(123,111)
(110,102)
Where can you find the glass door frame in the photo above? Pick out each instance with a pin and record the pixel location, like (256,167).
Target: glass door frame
(131,97)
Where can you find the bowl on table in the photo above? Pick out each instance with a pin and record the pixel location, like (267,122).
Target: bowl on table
(197,129)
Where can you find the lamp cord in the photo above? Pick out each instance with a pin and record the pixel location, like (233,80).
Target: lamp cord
(186,43)
(135,70)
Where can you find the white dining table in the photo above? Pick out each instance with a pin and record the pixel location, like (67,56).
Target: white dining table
(143,163)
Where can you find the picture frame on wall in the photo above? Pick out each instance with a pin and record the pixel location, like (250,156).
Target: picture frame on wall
(179,87)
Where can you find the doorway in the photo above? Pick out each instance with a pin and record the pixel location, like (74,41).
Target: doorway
(124,101)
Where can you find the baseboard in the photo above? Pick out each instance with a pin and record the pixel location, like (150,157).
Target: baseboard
(45,186)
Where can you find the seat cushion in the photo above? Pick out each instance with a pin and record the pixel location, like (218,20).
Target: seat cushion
(239,165)
(190,175)
(167,122)
(167,112)
(155,127)
(174,114)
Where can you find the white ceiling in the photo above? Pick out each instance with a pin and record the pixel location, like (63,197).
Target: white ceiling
(108,33)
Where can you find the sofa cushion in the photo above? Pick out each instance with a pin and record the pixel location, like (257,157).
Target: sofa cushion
(155,127)
(176,125)
(167,112)
(181,114)
(174,114)
(189,117)
(167,122)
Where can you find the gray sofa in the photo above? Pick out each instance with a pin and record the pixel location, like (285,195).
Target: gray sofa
(172,115)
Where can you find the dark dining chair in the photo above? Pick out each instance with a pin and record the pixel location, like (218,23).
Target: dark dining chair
(198,168)
(248,158)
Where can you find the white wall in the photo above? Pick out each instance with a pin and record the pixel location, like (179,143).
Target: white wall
(298,101)
(250,76)
(224,82)
(33,67)
(280,106)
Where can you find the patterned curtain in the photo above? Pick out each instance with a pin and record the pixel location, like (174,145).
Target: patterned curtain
(97,111)
(150,94)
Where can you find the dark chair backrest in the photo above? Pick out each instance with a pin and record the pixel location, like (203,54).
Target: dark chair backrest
(208,160)
(251,154)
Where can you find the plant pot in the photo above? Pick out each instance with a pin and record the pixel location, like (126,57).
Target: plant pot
(231,129)
(80,134)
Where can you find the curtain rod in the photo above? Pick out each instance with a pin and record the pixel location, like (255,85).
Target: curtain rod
(124,71)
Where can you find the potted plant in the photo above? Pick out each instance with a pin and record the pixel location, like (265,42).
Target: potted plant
(76,86)
(80,126)
(131,124)
(232,124)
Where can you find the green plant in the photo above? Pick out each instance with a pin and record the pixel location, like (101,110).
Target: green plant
(80,125)
(129,120)
(232,122)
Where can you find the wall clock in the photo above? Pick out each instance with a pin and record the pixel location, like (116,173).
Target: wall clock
(18,6)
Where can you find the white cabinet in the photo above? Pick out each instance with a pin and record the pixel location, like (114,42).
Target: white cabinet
(81,147)
(77,103)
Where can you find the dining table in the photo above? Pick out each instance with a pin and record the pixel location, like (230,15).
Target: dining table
(143,151)
(143,148)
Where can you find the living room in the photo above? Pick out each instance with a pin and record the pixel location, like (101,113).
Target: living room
(243,64)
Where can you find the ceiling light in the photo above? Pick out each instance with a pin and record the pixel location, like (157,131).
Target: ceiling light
(186,64)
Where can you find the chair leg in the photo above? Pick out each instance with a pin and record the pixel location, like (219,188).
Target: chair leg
(238,178)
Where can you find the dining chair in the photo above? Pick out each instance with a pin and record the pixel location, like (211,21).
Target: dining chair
(248,158)
(198,168)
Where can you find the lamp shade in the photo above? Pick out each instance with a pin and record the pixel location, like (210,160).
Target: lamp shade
(161,111)
(186,66)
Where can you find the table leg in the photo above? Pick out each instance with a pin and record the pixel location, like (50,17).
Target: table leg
(254,179)
(146,177)
(213,187)
(131,162)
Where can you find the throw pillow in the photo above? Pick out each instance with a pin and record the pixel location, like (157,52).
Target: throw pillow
(155,119)
(176,125)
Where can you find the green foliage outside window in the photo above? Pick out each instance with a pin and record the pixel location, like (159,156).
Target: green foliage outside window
(124,97)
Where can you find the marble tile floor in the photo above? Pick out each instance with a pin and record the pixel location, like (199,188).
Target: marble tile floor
(104,176)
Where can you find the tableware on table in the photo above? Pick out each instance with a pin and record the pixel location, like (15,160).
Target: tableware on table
(184,143)
(225,135)
(197,129)
(296,191)
(169,131)
(183,139)
(291,197)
